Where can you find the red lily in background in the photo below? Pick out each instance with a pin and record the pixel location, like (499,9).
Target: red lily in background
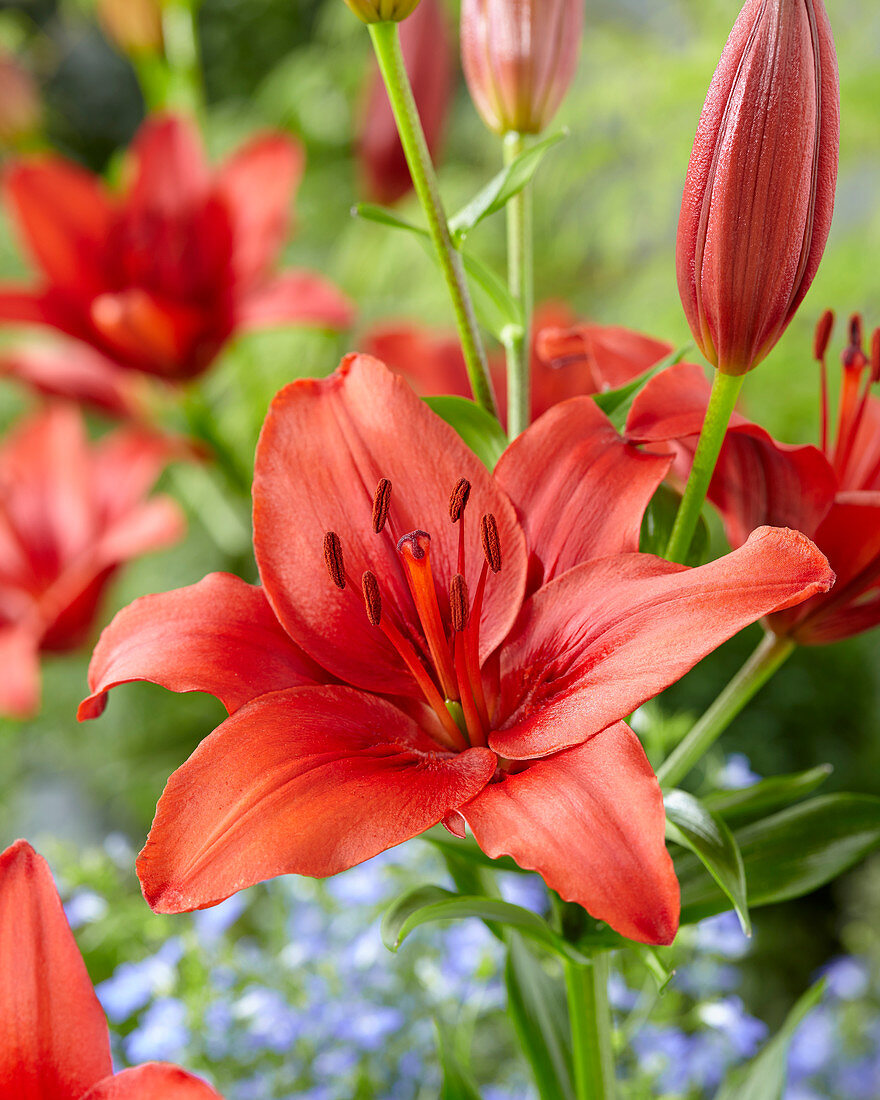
(468,659)
(76,372)
(158,279)
(568,359)
(428,54)
(832,494)
(54,1043)
(71,513)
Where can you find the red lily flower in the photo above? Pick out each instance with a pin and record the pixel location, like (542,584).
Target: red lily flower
(75,372)
(469,660)
(70,514)
(832,494)
(568,358)
(427,51)
(160,278)
(54,1043)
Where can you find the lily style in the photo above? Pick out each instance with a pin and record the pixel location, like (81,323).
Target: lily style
(568,358)
(431,643)
(54,1042)
(831,493)
(71,513)
(158,279)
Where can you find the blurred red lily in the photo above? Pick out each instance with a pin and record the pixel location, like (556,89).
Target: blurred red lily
(160,278)
(568,358)
(470,658)
(76,372)
(70,514)
(427,51)
(54,1043)
(832,494)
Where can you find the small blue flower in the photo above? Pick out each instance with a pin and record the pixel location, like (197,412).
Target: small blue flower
(270,1022)
(737,773)
(723,935)
(162,1035)
(133,985)
(847,978)
(85,907)
(745,1033)
(212,924)
(529,891)
(814,1044)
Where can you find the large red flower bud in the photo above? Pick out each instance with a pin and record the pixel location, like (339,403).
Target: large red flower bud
(760,187)
(382,11)
(519,58)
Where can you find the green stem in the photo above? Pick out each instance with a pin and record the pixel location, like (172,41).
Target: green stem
(725,390)
(590,1017)
(769,656)
(386,43)
(185,88)
(521,280)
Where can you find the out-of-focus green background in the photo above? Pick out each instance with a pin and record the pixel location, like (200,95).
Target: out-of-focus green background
(607,204)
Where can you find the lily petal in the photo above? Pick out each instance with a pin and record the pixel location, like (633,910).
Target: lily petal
(218,636)
(310,782)
(757,481)
(54,1043)
(153,1081)
(296,298)
(592,492)
(591,822)
(605,637)
(258,183)
(20,683)
(324,447)
(74,371)
(66,218)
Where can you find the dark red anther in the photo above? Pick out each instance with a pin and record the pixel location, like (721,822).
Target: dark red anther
(875,356)
(823,334)
(415,547)
(372,598)
(854,357)
(459,603)
(381,504)
(333,558)
(458,500)
(491,542)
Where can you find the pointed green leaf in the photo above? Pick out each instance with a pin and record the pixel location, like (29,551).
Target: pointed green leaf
(690,824)
(788,854)
(432,903)
(479,429)
(764,1078)
(500,190)
(381,215)
(537,1005)
(617,403)
(458,1084)
(739,807)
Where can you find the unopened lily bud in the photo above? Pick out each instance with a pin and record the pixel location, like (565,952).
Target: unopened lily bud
(760,187)
(21,113)
(519,58)
(382,11)
(134,25)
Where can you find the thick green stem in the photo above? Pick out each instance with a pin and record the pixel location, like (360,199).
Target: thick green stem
(770,655)
(521,280)
(386,43)
(725,390)
(590,1017)
(184,88)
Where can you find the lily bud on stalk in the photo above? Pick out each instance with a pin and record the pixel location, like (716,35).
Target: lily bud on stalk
(21,113)
(519,58)
(382,11)
(760,187)
(134,25)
